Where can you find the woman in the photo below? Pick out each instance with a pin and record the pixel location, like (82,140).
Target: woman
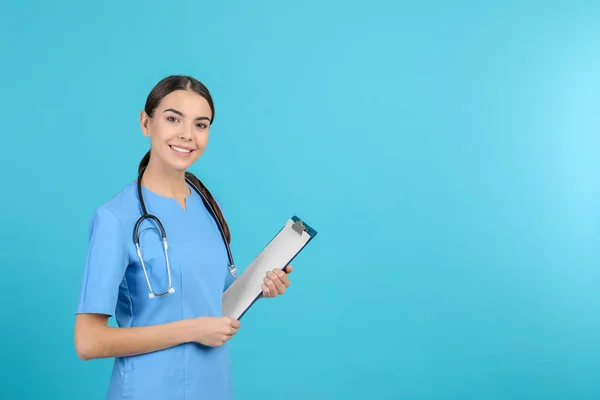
(171,342)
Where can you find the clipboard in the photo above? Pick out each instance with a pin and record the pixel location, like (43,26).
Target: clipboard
(278,253)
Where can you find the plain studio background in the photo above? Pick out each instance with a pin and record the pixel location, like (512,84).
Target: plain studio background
(448,155)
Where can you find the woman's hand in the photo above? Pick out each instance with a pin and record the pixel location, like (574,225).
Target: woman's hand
(213,331)
(276,282)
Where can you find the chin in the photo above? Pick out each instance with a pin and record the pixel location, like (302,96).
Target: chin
(179,165)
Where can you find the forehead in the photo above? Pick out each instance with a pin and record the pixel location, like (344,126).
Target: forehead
(188,102)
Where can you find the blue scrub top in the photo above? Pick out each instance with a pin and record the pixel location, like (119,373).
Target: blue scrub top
(114,284)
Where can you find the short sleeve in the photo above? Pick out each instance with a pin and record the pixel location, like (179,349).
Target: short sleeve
(105,264)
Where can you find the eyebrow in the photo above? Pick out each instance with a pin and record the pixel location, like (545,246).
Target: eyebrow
(183,116)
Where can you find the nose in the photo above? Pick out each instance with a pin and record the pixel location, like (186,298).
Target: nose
(185,134)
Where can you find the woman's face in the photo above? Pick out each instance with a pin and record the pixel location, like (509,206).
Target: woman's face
(179,128)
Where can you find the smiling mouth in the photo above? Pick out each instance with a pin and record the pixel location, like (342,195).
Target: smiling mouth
(181,151)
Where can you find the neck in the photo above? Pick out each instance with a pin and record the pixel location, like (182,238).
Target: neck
(166,182)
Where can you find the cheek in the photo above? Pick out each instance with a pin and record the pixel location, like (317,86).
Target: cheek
(202,139)
(162,131)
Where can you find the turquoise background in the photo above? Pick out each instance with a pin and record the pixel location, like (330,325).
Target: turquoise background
(447,153)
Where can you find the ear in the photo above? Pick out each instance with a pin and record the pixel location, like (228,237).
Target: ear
(144,123)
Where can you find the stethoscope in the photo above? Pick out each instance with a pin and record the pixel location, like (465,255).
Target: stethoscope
(145,216)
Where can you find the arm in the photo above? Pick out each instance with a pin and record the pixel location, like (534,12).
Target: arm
(94,339)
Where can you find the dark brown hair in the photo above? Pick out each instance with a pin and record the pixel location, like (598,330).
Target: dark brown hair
(162,89)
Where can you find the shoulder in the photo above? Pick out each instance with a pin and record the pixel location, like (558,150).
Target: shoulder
(117,208)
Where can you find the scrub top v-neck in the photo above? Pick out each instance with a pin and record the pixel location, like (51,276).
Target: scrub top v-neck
(114,284)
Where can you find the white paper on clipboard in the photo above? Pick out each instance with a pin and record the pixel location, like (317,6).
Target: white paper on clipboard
(278,253)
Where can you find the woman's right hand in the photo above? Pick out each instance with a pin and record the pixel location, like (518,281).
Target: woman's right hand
(213,331)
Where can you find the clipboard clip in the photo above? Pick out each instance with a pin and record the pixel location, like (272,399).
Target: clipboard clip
(299,227)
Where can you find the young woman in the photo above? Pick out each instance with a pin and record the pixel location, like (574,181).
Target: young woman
(171,342)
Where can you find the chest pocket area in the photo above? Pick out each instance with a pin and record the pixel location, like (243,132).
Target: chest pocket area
(158,267)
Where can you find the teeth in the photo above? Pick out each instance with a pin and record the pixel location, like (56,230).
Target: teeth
(180,149)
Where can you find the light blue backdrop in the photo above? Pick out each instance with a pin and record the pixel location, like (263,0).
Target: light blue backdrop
(447,153)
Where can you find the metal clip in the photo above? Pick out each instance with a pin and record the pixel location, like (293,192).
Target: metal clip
(299,227)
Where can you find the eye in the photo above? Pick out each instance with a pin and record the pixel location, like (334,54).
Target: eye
(170,118)
(202,126)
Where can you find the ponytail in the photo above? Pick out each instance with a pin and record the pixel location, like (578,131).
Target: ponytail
(144,162)
(211,200)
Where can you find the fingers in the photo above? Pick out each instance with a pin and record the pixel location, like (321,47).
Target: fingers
(234,323)
(268,289)
(265,290)
(269,286)
(217,331)
(285,280)
(230,334)
(275,278)
(232,329)
(275,283)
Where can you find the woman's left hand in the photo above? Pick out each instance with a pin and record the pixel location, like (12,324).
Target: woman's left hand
(276,282)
